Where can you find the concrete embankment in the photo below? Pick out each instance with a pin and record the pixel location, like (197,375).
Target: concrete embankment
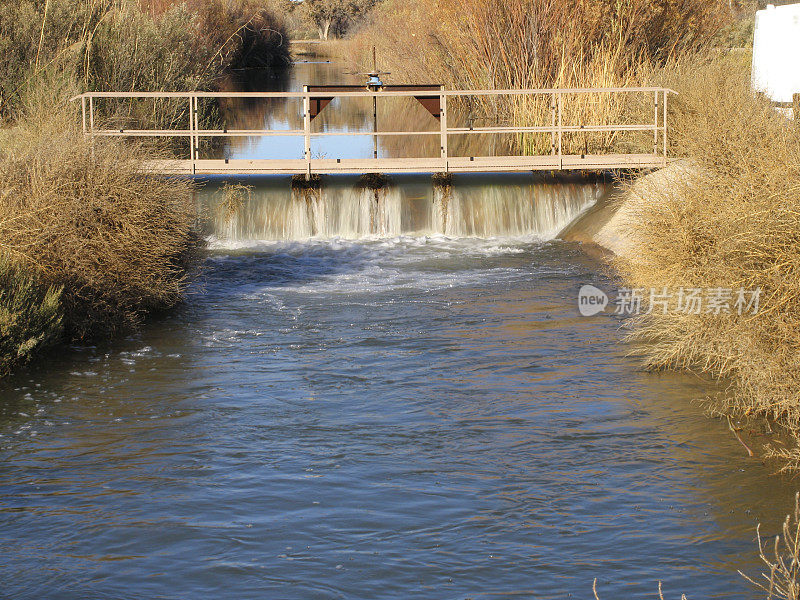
(602,230)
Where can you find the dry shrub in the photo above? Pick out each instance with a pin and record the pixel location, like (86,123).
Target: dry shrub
(234,198)
(85,218)
(732,220)
(479,44)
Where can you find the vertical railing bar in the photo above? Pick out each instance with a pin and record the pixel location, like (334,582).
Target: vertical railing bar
(307,130)
(91,124)
(443,128)
(83,114)
(560,131)
(91,116)
(666,93)
(196,129)
(191,132)
(655,123)
(375,127)
(553,124)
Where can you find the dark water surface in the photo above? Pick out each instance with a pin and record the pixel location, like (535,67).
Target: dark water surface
(404,418)
(412,413)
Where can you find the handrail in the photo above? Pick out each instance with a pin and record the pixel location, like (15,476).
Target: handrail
(556,129)
(369,93)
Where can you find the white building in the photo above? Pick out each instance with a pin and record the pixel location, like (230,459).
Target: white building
(776,52)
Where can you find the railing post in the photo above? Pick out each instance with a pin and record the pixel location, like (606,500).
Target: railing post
(375,125)
(307,130)
(192,151)
(83,114)
(655,123)
(560,131)
(553,124)
(443,127)
(666,93)
(91,124)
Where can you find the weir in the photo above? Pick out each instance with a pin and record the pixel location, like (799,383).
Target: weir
(350,208)
(559,119)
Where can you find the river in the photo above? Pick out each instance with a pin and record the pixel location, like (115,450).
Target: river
(392,405)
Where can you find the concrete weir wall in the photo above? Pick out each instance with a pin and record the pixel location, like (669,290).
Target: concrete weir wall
(603,228)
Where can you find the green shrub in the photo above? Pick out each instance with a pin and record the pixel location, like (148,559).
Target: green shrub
(30,315)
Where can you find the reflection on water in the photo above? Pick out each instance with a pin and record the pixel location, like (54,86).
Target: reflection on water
(348,115)
(397,418)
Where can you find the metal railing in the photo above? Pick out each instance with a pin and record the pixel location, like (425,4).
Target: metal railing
(557,128)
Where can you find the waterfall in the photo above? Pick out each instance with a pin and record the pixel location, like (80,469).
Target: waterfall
(507,206)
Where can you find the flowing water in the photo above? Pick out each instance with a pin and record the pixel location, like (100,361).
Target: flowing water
(376,395)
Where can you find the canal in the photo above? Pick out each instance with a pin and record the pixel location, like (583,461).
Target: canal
(376,395)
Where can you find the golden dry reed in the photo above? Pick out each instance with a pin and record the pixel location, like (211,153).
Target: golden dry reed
(480,44)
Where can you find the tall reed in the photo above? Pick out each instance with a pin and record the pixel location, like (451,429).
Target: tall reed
(125,45)
(478,44)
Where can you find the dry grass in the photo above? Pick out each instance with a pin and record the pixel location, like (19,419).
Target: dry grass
(732,222)
(85,219)
(480,44)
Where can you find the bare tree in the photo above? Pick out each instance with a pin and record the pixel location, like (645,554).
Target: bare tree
(335,17)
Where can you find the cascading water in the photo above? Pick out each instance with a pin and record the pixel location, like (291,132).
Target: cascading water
(342,208)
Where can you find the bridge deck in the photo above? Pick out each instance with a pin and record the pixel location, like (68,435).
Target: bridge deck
(433,98)
(478,164)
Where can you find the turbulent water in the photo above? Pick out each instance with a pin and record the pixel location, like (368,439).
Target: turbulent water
(388,396)
(399,417)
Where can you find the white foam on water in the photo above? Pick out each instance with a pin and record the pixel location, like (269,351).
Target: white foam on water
(371,266)
(354,213)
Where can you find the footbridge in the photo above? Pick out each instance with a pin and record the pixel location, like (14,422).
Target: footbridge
(556,139)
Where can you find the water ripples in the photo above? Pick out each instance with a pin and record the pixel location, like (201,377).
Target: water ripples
(395,418)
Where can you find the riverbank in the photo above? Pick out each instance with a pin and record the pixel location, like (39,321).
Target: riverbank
(89,245)
(724,219)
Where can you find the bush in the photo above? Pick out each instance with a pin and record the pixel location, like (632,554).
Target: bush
(733,222)
(86,219)
(120,45)
(30,316)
